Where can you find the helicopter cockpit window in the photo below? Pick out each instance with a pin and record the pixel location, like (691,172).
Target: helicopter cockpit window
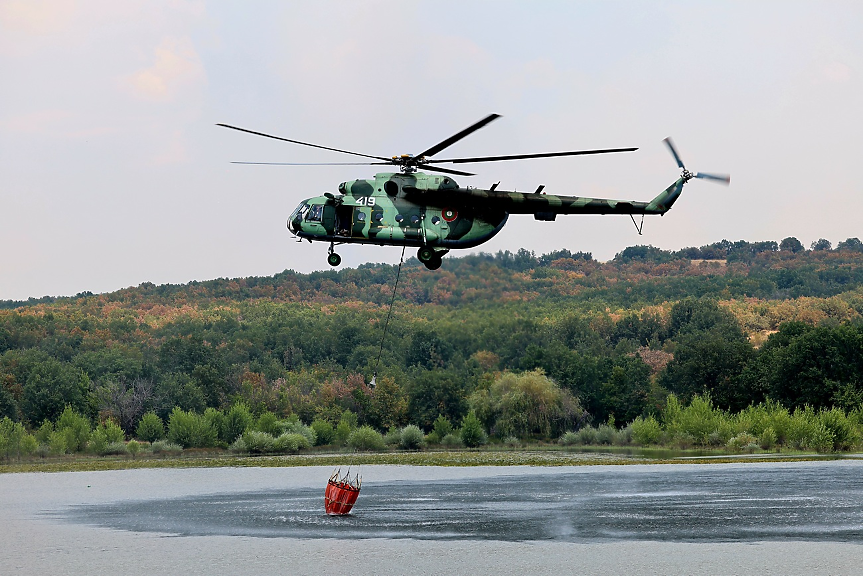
(300,211)
(315,213)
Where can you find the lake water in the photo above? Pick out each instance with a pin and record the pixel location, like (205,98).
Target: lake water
(804,517)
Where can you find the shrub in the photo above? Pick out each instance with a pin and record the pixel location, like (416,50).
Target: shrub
(366,438)
(113,432)
(587,435)
(29,445)
(393,437)
(133,448)
(269,423)
(452,441)
(115,449)
(683,440)
(165,447)
(150,428)
(821,438)
(697,420)
(646,431)
(98,442)
(767,439)
(442,426)
(11,437)
(236,422)
(290,442)
(835,421)
(238,446)
(297,427)
(511,442)
(342,433)
(472,433)
(324,432)
(257,442)
(743,441)
(75,429)
(605,434)
(56,443)
(801,428)
(190,430)
(411,438)
(44,432)
(623,437)
(569,439)
(216,420)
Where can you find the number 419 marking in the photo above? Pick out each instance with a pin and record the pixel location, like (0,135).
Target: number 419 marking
(366,201)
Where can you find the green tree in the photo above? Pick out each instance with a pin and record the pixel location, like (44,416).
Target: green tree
(472,433)
(190,430)
(237,421)
(150,428)
(791,244)
(50,387)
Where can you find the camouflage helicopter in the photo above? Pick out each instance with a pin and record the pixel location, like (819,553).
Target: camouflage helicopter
(433,213)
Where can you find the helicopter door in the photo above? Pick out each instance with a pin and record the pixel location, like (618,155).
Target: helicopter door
(361,220)
(344,218)
(329,219)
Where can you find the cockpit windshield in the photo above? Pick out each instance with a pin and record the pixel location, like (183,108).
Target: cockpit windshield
(300,211)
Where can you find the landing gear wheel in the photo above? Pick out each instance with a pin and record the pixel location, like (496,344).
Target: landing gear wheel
(334,259)
(434,263)
(425,255)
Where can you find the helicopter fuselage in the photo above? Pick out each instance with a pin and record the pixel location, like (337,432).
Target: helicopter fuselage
(397,210)
(432,212)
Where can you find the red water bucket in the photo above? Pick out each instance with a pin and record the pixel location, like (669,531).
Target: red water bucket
(341,494)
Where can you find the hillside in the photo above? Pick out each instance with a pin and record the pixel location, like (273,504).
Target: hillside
(742,321)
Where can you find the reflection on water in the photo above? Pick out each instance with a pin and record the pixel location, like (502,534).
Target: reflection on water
(677,503)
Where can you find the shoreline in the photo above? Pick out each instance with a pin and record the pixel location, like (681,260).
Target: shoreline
(465,459)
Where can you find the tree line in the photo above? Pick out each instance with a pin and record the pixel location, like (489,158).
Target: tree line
(534,347)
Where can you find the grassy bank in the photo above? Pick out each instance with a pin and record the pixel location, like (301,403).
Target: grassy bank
(486,457)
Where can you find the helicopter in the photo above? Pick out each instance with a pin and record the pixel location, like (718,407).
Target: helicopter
(422,206)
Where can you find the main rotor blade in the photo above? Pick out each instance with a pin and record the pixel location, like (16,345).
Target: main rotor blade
(300,143)
(455,138)
(723,178)
(425,167)
(524,156)
(674,153)
(309,163)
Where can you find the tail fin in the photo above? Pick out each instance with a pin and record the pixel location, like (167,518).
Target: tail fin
(666,199)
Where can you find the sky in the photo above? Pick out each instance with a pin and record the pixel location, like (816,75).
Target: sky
(114,173)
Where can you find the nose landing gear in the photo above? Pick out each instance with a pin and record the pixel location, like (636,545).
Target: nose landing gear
(430,257)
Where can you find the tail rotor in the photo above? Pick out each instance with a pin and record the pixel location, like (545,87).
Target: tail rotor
(687,175)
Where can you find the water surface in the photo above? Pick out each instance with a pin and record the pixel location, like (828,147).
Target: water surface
(814,501)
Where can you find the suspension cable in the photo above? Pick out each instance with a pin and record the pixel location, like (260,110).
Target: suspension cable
(387,323)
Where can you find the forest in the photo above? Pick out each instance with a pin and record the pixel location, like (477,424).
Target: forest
(508,347)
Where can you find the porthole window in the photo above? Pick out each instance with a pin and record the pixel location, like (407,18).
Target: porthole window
(415,219)
(435,219)
(377,217)
(399,218)
(361,216)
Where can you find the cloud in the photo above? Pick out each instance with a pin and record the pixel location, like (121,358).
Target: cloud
(174,152)
(837,72)
(38,18)
(176,67)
